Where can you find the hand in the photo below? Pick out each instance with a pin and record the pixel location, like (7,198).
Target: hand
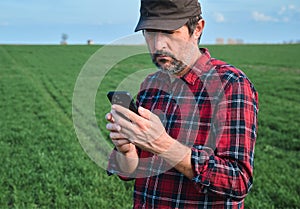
(119,140)
(145,131)
(148,133)
(127,162)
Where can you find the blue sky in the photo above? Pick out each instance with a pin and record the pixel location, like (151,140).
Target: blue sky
(44,21)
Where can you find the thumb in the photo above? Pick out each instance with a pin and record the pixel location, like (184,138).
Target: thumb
(144,113)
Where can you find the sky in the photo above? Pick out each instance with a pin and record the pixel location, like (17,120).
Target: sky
(105,21)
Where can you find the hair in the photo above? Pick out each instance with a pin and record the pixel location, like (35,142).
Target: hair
(192,23)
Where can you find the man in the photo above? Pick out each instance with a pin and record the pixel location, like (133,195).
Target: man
(192,144)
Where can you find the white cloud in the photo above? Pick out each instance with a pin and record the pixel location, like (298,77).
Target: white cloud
(219,17)
(286,13)
(289,13)
(288,9)
(261,17)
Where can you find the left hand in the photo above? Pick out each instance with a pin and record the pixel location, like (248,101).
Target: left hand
(145,131)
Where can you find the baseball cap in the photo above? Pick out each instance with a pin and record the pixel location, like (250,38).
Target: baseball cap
(166,14)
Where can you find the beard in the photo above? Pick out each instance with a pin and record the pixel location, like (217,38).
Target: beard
(174,67)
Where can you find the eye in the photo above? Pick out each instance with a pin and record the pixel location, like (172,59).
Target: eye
(167,31)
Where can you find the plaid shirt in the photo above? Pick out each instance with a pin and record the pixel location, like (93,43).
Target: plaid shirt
(213,110)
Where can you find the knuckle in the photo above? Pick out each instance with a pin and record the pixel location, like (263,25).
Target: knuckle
(112,135)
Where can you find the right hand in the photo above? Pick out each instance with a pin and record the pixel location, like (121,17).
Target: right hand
(122,144)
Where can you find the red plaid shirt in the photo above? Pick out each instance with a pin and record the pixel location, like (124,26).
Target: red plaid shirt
(213,110)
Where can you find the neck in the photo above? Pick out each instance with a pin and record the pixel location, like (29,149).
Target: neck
(192,62)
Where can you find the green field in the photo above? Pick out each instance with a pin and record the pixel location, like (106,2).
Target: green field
(44,166)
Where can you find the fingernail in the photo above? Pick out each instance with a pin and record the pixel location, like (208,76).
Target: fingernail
(118,128)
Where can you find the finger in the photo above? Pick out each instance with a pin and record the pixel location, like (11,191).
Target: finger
(136,123)
(145,113)
(127,113)
(119,118)
(117,136)
(109,117)
(113,127)
(120,142)
(125,126)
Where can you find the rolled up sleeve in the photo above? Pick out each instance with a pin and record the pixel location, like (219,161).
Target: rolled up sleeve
(226,168)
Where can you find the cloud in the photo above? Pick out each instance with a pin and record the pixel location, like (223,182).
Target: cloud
(282,10)
(289,9)
(285,13)
(289,13)
(261,17)
(219,17)
(292,7)
(3,24)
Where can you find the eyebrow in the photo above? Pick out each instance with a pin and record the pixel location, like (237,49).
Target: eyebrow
(156,30)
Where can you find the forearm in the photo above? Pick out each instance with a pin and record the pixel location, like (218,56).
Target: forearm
(179,157)
(127,162)
(219,174)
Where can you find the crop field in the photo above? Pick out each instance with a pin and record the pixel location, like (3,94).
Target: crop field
(42,163)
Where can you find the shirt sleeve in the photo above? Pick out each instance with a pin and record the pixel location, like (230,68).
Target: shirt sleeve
(225,166)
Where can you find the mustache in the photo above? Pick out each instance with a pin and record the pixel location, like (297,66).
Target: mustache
(175,66)
(162,53)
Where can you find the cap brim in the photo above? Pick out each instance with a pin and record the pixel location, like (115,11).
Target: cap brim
(160,24)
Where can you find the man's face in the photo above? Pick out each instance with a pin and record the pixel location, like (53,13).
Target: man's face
(171,51)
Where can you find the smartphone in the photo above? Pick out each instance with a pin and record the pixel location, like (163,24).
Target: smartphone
(124,99)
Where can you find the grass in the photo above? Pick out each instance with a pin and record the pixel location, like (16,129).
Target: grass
(44,166)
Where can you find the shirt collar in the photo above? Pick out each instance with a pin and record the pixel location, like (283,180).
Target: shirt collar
(202,65)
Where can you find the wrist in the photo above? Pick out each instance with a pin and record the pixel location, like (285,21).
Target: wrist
(164,143)
(175,153)
(129,152)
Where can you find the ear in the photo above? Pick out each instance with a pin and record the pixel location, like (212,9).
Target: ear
(199,29)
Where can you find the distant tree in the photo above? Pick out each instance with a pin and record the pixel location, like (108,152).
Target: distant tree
(90,42)
(64,38)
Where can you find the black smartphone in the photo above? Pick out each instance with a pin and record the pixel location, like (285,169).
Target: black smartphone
(124,99)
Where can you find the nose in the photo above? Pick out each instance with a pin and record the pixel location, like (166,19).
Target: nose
(157,41)
(160,41)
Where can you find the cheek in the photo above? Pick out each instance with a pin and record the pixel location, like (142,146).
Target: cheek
(150,45)
(179,51)
(186,48)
